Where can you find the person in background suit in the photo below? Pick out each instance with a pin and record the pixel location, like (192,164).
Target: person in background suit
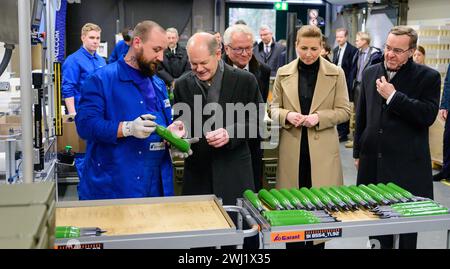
(175,62)
(342,56)
(221,163)
(268,51)
(238,41)
(122,46)
(365,57)
(399,102)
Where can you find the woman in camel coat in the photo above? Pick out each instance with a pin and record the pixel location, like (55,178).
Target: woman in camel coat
(309,99)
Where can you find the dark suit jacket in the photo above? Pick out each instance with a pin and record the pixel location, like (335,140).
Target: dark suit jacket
(391,141)
(347,64)
(174,65)
(226,171)
(272,59)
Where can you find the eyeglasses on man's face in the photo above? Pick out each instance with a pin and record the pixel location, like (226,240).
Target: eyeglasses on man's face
(396,51)
(241,50)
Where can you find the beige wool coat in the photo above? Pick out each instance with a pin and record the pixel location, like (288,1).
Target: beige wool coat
(330,102)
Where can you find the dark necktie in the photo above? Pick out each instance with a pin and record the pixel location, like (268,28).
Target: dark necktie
(336,61)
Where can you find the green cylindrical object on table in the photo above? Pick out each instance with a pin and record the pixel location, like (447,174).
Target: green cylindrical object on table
(312,197)
(293,221)
(426,213)
(324,198)
(364,195)
(303,198)
(419,209)
(402,191)
(282,199)
(335,198)
(254,200)
(392,191)
(375,195)
(288,213)
(173,139)
(353,195)
(414,204)
(344,197)
(384,193)
(294,200)
(67,232)
(269,199)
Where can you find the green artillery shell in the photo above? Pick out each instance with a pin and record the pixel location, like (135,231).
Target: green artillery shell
(426,213)
(414,204)
(293,221)
(402,191)
(314,199)
(395,193)
(324,198)
(173,139)
(335,198)
(289,213)
(271,201)
(283,200)
(67,232)
(254,200)
(375,195)
(354,196)
(343,196)
(303,198)
(385,194)
(294,200)
(364,195)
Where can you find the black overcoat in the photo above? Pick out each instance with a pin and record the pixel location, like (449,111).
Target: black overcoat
(391,141)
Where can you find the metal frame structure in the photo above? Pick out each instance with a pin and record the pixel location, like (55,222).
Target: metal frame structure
(395,226)
(188,239)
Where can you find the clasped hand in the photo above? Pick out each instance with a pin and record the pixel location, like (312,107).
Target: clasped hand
(297,119)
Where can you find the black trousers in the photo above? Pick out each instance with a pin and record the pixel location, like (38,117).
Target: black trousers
(407,241)
(446,163)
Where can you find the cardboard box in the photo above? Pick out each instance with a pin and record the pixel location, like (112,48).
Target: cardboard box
(70,136)
(437,140)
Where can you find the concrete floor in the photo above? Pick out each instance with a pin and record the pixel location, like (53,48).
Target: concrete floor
(426,240)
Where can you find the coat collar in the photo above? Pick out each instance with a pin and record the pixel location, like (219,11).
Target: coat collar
(325,82)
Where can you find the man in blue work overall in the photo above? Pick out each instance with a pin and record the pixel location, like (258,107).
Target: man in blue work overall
(120,106)
(80,64)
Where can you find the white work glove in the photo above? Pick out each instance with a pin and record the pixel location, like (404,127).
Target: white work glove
(142,127)
(176,153)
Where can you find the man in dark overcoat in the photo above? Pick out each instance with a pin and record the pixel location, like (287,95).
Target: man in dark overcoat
(221,163)
(399,102)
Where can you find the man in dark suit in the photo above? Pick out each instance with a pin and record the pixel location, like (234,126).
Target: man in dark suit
(175,62)
(343,56)
(238,41)
(399,101)
(268,51)
(365,57)
(221,163)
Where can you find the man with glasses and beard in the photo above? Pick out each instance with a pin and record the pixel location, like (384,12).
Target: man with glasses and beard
(120,107)
(399,101)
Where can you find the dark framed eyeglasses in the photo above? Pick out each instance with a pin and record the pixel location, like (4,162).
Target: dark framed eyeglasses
(241,50)
(396,51)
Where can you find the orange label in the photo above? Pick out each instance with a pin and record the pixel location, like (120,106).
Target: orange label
(287,236)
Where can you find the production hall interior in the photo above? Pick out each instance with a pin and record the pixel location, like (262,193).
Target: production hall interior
(225,124)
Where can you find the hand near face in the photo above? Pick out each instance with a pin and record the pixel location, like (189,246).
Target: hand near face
(384,88)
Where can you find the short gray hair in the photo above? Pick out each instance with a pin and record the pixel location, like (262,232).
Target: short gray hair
(212,43)
(406,30)
(237,28)
(265,27)
(172,30)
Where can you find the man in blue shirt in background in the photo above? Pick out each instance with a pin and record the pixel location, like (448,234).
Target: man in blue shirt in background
(80,64)
(120,106)
(122,46)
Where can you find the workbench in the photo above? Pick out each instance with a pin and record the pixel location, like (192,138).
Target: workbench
(277,237)
(163,222)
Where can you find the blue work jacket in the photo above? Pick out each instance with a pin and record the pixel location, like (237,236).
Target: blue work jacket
(121,167)
(120,49)
(76,68)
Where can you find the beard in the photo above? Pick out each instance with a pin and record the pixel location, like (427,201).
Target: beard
(147,68)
